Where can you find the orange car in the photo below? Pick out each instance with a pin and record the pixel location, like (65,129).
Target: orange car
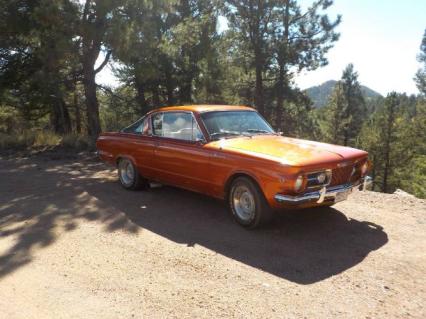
(232,153)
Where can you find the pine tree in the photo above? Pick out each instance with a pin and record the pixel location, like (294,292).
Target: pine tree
(355,109)
(251,21)
(421,73)
(36,58)
(334,116)
(346,110)
(300,42)
(395,137)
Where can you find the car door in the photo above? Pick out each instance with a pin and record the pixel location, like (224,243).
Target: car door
(180,157)
(140,146)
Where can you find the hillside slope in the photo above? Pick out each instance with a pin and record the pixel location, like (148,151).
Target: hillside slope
(321,93)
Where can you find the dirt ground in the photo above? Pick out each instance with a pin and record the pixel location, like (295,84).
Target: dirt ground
(74,244)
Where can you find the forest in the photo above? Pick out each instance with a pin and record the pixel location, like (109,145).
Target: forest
(173,52)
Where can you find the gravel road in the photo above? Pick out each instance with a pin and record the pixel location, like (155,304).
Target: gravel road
(74,244)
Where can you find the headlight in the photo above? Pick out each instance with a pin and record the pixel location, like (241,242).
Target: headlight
(321,178)
(364,168)
(298,183)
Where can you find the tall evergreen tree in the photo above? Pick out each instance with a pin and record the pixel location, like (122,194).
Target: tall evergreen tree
(252,21)
(388,135)
(36,57)
(355,108)
(334,116)
(301,40)
(96,21)
(346,110)
(421,73)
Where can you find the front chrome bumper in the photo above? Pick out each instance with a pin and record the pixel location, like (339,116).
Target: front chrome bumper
(326,193)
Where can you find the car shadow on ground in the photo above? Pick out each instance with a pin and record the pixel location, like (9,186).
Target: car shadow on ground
(304,246)
(301,246)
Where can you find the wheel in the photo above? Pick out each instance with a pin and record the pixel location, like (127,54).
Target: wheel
(248,204)
(129,176)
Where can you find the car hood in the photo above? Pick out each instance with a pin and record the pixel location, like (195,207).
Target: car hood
(290,151)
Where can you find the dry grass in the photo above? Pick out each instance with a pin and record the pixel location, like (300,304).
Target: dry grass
(29,139)
(77,142)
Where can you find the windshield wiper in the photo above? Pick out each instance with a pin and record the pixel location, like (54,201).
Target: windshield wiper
(255,130)
(225,134)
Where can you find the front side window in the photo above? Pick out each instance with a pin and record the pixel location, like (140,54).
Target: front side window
(139,127)
(176,125)
(157,124)
(223,124)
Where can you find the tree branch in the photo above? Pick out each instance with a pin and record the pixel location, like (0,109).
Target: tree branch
(105,62)
(114,95)
(86,10)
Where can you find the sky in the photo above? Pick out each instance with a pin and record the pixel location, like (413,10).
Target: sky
(380,37)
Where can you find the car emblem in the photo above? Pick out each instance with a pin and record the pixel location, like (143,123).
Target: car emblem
(344,164)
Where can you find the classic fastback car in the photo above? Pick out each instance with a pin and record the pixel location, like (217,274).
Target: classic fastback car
(232,153)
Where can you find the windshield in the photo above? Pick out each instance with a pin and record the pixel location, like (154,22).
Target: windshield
(226,124)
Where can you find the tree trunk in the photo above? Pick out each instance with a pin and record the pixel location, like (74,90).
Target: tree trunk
(386,168)
(258,97)
(94,26)
(346,138)
(373,173)
(186,90)
(282,76)
(280,99)
(61,118)
(388,140)
(92,104)
(156,96)
(140,89)
(169,87)
(77,111)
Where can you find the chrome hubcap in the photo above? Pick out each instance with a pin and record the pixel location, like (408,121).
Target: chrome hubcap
(244,204)
(127,173)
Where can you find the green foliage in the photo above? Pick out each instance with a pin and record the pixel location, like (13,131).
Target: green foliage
(118,110)
(421,73)
(415,180)
(321,94)
(77,142)
(346,110)
(28,139)
(36,139)
(170,52)
(36,58)
(9,120)
(395,137)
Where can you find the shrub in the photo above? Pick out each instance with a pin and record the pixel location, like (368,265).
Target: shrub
(28,139)
(45,138)
(77,142)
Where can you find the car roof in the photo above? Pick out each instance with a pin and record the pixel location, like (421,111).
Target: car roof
(204,108)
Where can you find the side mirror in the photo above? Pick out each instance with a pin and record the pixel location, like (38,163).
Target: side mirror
(200,141)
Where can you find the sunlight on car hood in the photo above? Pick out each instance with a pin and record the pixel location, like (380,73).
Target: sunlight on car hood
(289,151)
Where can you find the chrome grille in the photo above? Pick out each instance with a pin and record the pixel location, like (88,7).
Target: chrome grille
(341,175)
(313,183)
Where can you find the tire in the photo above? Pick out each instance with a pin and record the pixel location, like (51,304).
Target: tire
(248,204)
(129,175)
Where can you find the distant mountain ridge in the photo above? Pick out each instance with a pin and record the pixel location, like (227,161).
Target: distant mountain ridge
(321,93)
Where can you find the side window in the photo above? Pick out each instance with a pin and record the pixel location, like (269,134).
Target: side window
(176,125)
(157,124)
(197,135)
(144,127)
(140,127)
